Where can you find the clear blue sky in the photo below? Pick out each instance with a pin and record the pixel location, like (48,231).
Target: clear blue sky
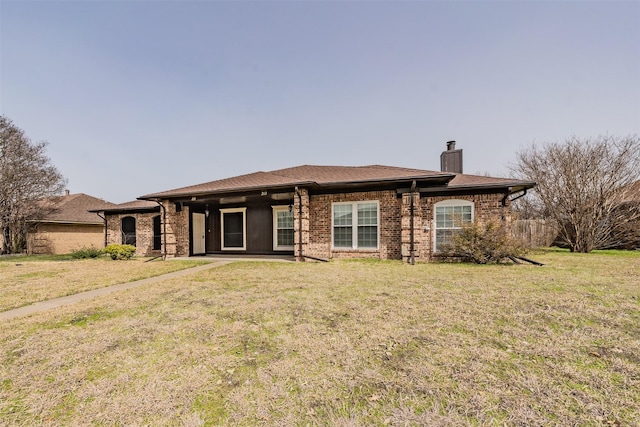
(136,97)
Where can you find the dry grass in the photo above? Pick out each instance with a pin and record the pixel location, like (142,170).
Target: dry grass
(24,281)
(344,343)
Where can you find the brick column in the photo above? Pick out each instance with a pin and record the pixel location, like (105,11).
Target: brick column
(405,233)
(301,199)
(175,233)
(167,225)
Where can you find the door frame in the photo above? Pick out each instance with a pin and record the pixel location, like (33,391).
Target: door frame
(242,210)
(198,219)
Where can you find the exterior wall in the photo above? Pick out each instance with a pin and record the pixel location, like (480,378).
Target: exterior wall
(406,224)
(313,224)
(50,238)
(177,230)
(144,231)
(394,223)
(320,226)
(486,207)
(301,225)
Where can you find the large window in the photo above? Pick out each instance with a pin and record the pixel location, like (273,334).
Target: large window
(282,228)
(451,216)
(355,225)
(234,227)
(128,227)
(157,233)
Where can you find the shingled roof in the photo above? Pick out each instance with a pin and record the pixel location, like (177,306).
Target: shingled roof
(135,205)
(314,175)
(74,208)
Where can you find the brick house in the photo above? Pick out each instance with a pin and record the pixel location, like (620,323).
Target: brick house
(67,225)
(320,212)
(136,223)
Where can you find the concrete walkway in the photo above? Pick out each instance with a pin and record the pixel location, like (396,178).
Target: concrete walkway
(72,299)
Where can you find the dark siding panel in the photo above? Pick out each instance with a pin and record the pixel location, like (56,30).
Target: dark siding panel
(259,229)
(213,231)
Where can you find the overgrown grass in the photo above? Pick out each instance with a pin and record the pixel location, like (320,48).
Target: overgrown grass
(30,279)
(344,343)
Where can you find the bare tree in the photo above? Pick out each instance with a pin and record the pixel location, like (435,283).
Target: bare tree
(27,181)
(583,186)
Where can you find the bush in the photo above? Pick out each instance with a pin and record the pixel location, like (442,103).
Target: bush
(120,251)
(487,243)
(86,252)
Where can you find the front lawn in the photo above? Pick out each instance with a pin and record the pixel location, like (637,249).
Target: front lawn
(345,343)
(25,280)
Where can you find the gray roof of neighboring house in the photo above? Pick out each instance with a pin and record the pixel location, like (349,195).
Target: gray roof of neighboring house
(74,208)
(135,205)
(334,176)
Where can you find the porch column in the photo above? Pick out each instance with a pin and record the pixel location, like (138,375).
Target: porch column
(175,230)
(406,222)
(301,223)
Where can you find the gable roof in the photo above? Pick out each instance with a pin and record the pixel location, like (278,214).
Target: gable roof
(335,176)
(74,208)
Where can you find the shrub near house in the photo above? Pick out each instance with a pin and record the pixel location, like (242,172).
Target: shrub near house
(120,251)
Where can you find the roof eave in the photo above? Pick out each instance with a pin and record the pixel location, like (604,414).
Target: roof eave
(155,197)
(50,221)
(444,178)
(510,187)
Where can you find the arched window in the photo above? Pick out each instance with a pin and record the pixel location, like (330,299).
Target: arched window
(157,233)
(128,230)
(450,217)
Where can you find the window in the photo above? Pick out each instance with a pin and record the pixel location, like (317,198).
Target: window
(157,233)
(128,227)
(355,225)
(234,227)
(282,228)
(451,216)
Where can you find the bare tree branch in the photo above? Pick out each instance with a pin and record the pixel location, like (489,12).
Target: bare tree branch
(583,186)
(27,181)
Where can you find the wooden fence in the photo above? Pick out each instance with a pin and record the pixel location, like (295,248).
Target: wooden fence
(534,233)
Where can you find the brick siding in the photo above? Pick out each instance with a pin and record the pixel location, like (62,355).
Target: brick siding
(50,238)
(177,230)
(144,231)
(314,225)
(320,225)
(486,207)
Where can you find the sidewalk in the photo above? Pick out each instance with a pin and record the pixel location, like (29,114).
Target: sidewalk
(72,299)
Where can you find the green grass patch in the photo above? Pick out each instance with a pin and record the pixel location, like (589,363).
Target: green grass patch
(341,343)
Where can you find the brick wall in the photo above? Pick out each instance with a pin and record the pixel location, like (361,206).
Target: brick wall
(177,230)
(301,224)
(49,238)
(486,207)
(394,223)
(315,224)
(144,231)
(320,225)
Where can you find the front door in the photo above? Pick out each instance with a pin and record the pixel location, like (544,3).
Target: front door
(197,234)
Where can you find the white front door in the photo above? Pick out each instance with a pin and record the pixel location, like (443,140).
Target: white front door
(197,233)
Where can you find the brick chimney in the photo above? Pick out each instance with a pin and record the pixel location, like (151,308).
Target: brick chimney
(451,160)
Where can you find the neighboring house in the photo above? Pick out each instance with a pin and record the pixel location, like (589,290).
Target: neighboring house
(318,212)
(68,225)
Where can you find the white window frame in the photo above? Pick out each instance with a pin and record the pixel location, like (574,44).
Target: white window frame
(448,203)
(354,225)
(244,229)
(277,247)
